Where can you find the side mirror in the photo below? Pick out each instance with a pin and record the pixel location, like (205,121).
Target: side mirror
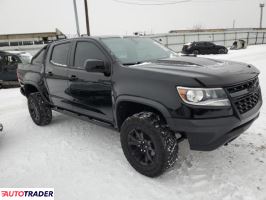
(94,65)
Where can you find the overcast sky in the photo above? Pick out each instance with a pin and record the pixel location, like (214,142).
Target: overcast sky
(110,17)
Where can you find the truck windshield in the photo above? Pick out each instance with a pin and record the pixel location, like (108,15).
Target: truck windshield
(136,50)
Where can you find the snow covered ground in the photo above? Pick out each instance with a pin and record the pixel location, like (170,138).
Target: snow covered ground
(84,161)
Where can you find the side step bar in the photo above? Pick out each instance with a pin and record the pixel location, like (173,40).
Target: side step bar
(85,118)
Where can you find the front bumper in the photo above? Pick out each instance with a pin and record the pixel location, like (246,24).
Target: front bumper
(209,134)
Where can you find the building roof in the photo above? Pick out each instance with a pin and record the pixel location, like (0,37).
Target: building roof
(22,36)
(215,30)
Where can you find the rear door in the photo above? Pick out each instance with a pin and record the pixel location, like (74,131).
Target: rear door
(202,47)
(211,47)
(56,73)
(91,92)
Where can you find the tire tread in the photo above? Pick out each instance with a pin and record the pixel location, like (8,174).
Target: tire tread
(43,108)
(170,144)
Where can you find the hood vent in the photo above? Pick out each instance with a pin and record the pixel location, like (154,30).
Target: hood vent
(176,62)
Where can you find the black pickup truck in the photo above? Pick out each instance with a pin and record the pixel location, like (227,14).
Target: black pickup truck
(152,96)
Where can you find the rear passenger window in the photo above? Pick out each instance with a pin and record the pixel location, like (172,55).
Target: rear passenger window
(85,51)
(208,44)
(60,54)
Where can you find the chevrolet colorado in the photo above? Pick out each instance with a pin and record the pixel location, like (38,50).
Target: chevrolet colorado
(148,93)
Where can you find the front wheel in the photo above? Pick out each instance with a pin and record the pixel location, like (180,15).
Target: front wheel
(39,110)
(222,51)
(148,144)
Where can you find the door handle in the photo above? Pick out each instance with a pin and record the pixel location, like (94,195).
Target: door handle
(50,73)
(73,78)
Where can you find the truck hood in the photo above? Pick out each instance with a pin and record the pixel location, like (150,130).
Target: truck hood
(206,71)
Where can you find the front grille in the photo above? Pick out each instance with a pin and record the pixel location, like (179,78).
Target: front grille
(246,103)
(245,95)
(253,83)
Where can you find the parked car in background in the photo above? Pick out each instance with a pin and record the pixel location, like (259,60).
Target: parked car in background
(203,48)
(9,61)
(239,44)
(24,56)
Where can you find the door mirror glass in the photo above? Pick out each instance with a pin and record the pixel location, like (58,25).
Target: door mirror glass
(94,65)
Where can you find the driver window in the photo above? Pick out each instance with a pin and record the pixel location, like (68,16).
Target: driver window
(85,51)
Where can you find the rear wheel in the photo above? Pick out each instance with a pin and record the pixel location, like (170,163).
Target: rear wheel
(148,144)
(196,52)
(39,110)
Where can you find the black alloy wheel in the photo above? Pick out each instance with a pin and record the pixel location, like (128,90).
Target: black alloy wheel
(141,147)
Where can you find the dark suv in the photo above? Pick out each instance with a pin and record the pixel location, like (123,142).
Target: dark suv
(8,68)
(9,61)
(203,48)
(153,97)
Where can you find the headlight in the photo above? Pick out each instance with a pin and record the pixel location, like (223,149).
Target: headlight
(204,96)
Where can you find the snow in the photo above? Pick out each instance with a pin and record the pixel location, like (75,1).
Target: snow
(85,161)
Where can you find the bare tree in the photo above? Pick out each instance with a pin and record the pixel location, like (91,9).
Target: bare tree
(197,27)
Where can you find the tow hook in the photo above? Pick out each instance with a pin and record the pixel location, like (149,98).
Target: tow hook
(179,137)
(1,127)
(226,144)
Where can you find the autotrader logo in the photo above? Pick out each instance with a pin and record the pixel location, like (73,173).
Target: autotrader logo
(27,193)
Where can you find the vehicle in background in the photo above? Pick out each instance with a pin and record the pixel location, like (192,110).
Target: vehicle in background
(239,44)
(24,56)
(198,48)
(9,61)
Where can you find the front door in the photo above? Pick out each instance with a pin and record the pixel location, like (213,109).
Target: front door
(91,92)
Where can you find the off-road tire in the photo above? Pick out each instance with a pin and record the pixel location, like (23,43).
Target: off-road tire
(165,143)
(39,110)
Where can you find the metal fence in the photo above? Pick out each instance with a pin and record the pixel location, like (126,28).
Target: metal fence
(175,41)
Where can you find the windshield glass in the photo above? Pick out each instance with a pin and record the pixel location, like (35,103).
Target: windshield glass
(134,50)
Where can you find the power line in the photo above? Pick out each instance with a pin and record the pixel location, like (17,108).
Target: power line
(151,2)
(167,2)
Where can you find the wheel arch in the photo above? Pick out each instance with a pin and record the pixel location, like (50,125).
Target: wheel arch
(129,105)
(31,87)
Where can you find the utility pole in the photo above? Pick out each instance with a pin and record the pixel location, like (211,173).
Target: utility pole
(87,17)
(261,13)
(234,24)
(76,16)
